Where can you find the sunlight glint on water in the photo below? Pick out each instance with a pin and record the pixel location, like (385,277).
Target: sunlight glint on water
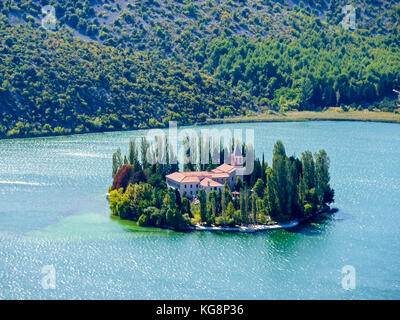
(53,212)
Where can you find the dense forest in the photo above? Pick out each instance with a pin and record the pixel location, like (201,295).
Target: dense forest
(114,65)
(289,189)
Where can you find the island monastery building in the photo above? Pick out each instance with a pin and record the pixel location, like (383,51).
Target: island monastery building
(189,183)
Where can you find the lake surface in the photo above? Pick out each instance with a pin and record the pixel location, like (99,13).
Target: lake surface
(53,212)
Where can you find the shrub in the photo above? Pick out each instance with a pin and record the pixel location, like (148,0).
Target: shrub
(143,220)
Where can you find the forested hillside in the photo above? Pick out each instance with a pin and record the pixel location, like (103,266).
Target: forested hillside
(54,84)
(134,64)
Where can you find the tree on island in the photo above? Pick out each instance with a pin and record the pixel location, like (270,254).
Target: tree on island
(117,162)
(203,205)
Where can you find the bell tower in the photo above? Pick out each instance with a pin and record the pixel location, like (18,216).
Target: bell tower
(237,160)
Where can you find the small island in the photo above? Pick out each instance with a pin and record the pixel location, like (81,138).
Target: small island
(242,194)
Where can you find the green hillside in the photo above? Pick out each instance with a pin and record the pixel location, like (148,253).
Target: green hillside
(114,65)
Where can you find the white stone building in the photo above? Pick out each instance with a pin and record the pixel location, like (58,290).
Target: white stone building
(189,183)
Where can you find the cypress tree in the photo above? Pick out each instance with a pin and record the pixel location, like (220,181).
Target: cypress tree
(144,147)
(308,169)
(117,161)
(133,156)
(323,189)
(230,211)
(244,206)
(259,188)
(254,207)
(280,181)
(203,205)
(302,196)
(132,152)
(270,199)
(263,168)
(293,189)
(238,184)
(227,195)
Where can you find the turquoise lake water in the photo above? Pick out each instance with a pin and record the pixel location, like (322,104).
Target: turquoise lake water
(53,212)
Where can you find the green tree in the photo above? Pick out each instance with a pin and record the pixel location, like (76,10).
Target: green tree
(176,220)
(259,188)
(308,170)
(227,196)
(116,161)
(212,207)
(203,205)
(244,207)
(254,207)
(280,181)
(323,189)
(230,210)
(133,156)
(238,184)
(294,167)
(144,147)
(270,198)
(186,207)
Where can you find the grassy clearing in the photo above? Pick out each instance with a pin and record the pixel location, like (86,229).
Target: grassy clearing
(311,115)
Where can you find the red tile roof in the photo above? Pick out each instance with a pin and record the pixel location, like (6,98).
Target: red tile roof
(227,168)
(191,179)
(176,176)
(207,182)
(223,171)
(219,175)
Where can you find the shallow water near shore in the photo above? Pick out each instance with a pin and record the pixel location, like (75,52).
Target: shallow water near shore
(53,211)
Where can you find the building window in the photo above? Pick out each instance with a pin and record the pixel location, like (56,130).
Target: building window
(190,192)
(185,186)
(191,186)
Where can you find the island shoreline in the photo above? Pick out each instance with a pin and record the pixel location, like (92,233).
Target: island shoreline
(253,228)
(259,227)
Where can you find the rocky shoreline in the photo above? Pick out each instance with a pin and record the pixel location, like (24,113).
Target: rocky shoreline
(260,227)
